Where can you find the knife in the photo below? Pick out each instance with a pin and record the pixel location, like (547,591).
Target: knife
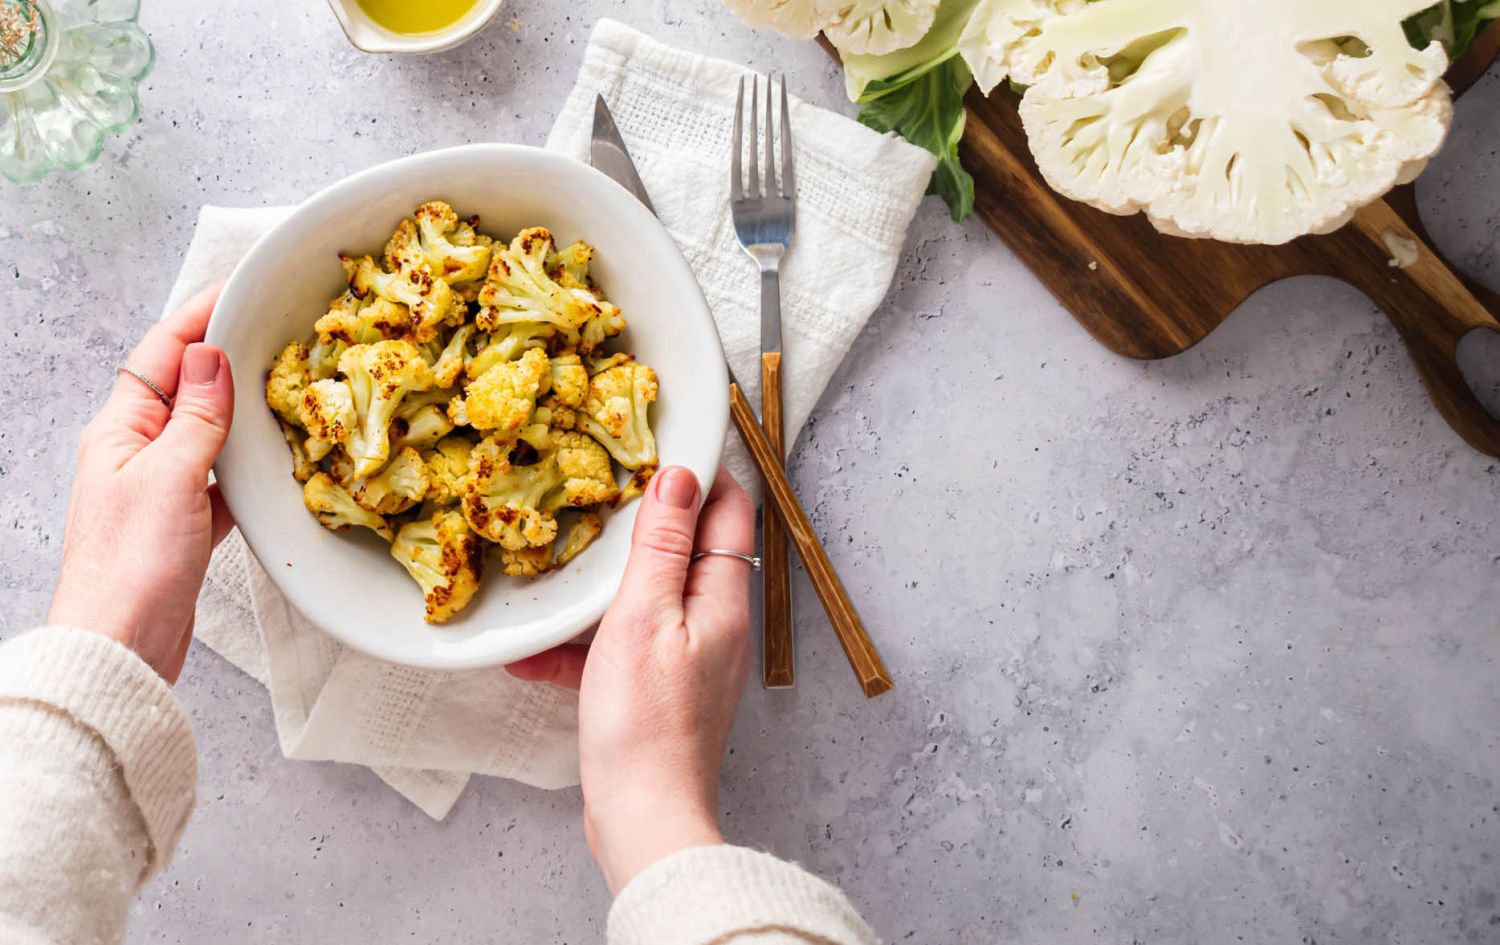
(607,153)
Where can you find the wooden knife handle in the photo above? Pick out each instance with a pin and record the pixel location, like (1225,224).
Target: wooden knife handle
(858,646)
(1432,308)
(778,655)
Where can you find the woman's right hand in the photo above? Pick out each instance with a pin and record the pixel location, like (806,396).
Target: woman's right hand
(661,681)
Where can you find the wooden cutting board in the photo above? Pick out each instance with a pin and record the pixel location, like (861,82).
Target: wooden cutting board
(1152,296)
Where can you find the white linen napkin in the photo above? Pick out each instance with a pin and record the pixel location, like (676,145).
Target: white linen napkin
(425,732)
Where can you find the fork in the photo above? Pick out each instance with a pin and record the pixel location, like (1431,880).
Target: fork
(765,212)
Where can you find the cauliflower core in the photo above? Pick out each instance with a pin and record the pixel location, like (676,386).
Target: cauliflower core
(456,400)
(1243,122)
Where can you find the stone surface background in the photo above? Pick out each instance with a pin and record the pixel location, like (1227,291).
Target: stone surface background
(1195,651)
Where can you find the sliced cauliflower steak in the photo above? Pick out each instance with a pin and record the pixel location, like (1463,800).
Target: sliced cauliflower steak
(1252,123)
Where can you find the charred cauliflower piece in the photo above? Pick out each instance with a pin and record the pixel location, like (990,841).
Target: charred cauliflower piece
(526,562)
(588,477)
(429,299)
(446,560)
(570,380)
(447,466)
(361,321)
(379,376)
(289,375)
(518,289)
(502,399)
(399,486)
(580,536)
(508,344)
(615,413)
(503,503)
(451,250)
(332,504)
(569,266)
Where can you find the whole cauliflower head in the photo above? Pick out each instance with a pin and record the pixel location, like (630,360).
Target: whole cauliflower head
(445,558)
(1243,122)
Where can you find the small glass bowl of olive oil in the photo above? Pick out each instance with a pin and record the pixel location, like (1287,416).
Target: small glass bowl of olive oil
(412,26)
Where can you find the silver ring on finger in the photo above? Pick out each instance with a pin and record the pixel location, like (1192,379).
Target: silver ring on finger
(751,560)
(161,394)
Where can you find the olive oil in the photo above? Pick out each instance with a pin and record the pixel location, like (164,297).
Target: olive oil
(414,17)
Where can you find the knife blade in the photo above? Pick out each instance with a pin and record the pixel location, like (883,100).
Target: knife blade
(607,153)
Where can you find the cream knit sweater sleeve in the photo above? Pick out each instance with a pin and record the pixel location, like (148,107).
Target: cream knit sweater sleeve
(732,896)
(97,770)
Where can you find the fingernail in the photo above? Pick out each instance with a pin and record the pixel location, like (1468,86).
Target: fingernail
(677,487)
(200,364)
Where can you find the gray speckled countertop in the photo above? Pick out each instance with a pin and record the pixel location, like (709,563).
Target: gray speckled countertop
(1198,651)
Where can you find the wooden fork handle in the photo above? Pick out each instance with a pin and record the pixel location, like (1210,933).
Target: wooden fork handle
(777,655)
(858,647)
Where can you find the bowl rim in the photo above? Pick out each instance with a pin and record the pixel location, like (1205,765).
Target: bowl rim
(239,293)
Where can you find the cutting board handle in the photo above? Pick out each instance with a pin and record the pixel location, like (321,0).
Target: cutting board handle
(1431,306)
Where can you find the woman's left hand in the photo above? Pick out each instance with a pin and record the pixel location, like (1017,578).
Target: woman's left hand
(143,518)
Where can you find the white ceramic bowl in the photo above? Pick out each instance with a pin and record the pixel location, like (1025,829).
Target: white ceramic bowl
(348,583)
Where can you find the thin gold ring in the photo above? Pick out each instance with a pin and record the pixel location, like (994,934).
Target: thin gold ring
(751,560)
(148,382)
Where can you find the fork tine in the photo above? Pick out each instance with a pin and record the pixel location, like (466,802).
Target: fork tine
(770,188)
(788,182)
(753,184)
(736,180)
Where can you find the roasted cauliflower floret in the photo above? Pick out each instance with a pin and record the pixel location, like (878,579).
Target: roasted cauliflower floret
(361,321)
(503,502)
(446,560)
(288,377)
(569,266)
(447,466)
(526,562)
(507,344)
(588,477)
(429,299)
(421,428)
(379,376)
(450,362)
(570,380)
(397,487)
(615,413)
(450,249)
(519,289)
(502,399)
(303,465)
(580,536)
(327,412)
(332,504)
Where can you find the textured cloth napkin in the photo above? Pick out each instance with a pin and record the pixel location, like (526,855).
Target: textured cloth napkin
(425,732)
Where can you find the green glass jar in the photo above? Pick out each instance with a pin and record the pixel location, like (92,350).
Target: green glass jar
(69,73)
